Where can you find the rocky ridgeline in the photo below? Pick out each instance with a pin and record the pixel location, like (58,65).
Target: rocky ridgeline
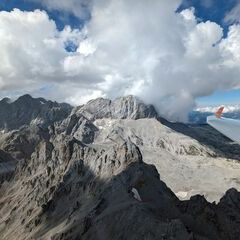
(74,180)
(27,110)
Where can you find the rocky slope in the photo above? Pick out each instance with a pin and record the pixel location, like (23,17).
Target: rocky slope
(188,166)
(77,179)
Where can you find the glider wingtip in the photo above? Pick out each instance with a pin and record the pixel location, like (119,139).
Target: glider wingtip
(219,112)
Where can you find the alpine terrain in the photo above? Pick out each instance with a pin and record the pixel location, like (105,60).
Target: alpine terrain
(113,169)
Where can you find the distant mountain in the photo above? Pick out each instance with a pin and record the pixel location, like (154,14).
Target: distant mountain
(200,115)
(99,171)
(27,110)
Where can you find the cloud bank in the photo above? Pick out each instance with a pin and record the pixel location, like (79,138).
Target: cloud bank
(128,47)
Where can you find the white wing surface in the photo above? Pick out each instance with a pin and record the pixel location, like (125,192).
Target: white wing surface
(227,126)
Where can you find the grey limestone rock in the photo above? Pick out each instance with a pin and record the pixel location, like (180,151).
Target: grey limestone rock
(121,108)
(75,172)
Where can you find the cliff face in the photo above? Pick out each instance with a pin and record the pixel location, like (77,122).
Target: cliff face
(78,178)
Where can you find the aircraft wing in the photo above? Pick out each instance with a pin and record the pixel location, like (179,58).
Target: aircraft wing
(227,126)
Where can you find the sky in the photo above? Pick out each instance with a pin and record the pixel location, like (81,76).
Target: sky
(175,54)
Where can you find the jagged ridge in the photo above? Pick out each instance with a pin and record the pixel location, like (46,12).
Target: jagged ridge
(27,110)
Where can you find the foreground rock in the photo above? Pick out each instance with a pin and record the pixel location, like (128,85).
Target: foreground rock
(71,191)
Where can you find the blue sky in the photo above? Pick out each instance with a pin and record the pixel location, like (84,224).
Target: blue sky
(124,51)
(220,98)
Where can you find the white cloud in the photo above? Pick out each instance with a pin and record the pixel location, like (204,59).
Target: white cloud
(128,47)
(30,47)
(189,15)
(201,39)
(227,109)
(230,47)
(33,52)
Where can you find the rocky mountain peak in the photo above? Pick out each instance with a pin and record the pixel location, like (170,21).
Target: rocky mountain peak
(128,107)
(5,100)
(25,97)
(133,108)
(27,110)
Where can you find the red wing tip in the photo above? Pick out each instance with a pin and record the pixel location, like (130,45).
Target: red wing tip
(219,112)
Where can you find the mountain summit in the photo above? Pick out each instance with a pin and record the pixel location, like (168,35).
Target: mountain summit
(121,108)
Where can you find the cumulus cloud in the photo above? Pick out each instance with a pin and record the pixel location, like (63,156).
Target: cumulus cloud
(33,55)
(128,47)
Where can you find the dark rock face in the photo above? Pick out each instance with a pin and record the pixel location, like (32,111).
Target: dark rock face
(219,221)
(67,186)
(21,143)
(27,110)
(7,166)
(17,146)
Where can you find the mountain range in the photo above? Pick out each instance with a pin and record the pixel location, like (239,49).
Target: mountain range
(113,169)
